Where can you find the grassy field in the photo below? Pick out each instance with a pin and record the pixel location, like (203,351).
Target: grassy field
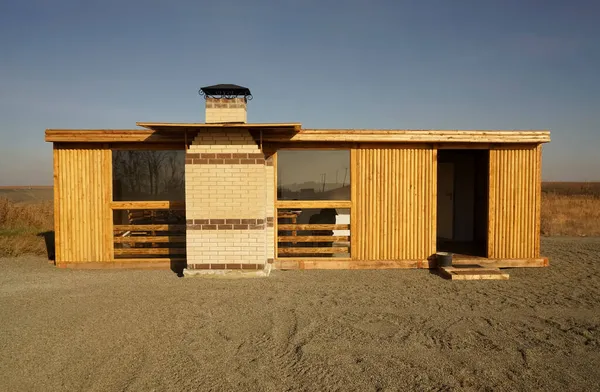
(568,209)
(571,209)
(22,225)
(26,193)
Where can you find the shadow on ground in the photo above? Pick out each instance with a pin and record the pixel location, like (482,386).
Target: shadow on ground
(49,239)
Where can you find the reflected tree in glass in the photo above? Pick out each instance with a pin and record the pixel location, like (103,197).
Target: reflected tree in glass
(141,175)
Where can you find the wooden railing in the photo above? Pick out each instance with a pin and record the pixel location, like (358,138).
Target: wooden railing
(149,231)
(311,239)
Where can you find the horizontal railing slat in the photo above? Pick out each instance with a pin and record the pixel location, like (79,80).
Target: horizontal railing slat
(313,204)
(149,251)
(148,227)
(144,239)
(312,227)
(306,238)
(147,205)
(149,259)
(295,251)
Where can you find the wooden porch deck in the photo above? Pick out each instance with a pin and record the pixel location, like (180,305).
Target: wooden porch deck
(334,263)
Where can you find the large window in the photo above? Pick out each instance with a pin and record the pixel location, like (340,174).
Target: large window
(149,204)
(142,175)
(313,175)
(313,203)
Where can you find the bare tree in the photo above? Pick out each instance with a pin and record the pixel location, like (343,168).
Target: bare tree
(156,174)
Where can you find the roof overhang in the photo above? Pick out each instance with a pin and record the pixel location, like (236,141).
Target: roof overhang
(408,136)
(293,133)
(158,132)
(181,127)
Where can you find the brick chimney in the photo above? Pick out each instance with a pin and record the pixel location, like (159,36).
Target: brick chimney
(229,191)
(226,103)
(225,110)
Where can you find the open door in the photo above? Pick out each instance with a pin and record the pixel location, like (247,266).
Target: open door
(462,201)
(445,200)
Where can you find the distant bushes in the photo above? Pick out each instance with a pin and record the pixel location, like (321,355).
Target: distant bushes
(572,188)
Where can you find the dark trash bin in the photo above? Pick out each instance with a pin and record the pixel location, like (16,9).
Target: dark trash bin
(444,259)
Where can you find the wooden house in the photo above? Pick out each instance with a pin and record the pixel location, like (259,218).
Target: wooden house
(227,194)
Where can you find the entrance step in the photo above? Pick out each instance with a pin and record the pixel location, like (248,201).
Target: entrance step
(473,272)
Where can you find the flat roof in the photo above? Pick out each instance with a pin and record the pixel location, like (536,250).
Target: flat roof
(156,132)
(411,136)
(157,126)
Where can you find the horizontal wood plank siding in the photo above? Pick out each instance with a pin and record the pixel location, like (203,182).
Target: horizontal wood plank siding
(394,206)
(83,218)
(514,203)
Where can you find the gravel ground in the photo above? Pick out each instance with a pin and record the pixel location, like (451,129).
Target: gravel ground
(303,330)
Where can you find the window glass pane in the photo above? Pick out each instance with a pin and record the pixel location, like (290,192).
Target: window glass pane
(313,175)
(143,175)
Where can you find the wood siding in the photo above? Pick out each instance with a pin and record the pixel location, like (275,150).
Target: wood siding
(82,196)
(393,203)
(514,203)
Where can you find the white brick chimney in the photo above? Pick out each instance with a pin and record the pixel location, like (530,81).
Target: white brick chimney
(226,110)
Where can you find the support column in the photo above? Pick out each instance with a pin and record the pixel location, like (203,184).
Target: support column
(229,202)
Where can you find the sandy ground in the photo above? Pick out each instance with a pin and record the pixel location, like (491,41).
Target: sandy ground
(314,330)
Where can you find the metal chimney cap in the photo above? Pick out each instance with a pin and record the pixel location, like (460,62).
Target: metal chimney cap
(225,91)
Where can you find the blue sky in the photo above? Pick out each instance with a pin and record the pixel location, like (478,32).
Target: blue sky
(443,64)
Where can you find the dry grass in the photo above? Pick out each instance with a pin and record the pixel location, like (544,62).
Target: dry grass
(570,215)
(21,225)
(571,209)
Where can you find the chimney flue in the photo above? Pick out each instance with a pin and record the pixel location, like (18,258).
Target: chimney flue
(226,103)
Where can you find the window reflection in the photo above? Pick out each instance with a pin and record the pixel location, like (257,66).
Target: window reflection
(142,175)
(313,175)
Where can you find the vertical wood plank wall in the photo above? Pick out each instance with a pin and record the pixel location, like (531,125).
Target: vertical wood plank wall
(82,214)
(514,203)
(394,203)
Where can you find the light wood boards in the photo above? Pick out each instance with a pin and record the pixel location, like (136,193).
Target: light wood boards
(394,206)
(147,264)
(344,263)
(285,226)
(321,250)
(336,263)
(150,239)
(408,136)
(83,191)
(317,204)
(150,205)
(111,136)
(292,133)
(154,132)
(303,238)
(473,272)
(508,263)
(148,251)
(166,227)
(196,126)
(514,203)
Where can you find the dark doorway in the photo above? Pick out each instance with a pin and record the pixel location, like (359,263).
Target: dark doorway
(462,201)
